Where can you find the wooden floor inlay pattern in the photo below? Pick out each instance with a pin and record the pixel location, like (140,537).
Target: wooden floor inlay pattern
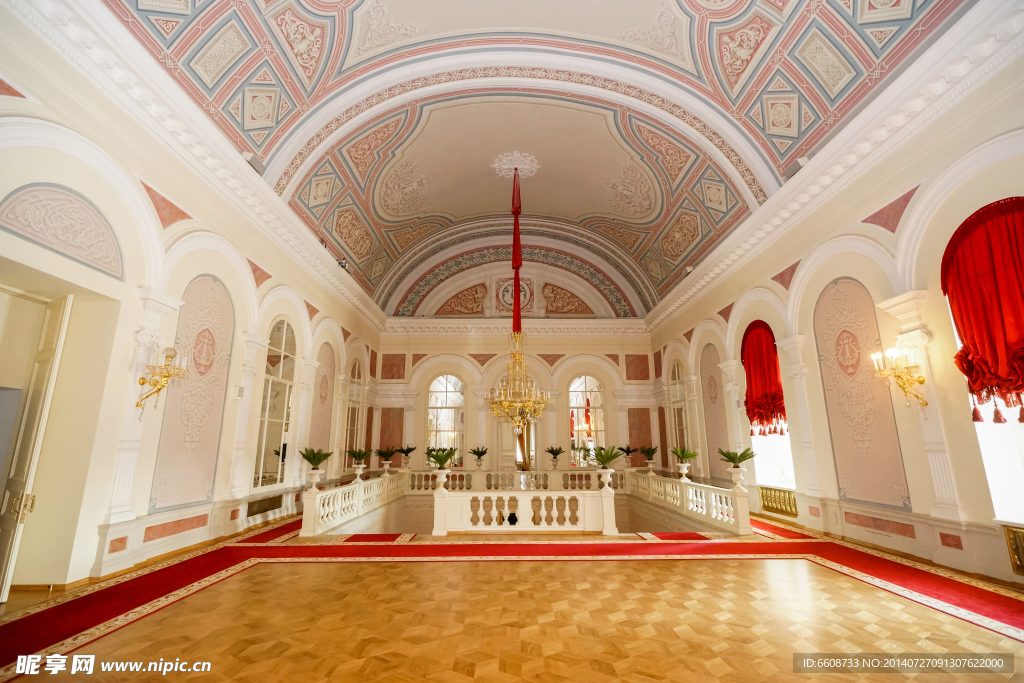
(691,620)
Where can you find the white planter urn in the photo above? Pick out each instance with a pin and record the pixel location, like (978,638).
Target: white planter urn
(359,471)
(405,461)
(314,476)
(442,477)
(684,469)
(737,475)
(606,476)
(480,464)
(386,466)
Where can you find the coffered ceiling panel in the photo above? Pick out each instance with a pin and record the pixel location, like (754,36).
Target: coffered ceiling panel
(380,120)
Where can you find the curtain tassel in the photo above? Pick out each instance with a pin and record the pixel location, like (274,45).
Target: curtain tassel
(997,416)
(976,415)
(782,431)
(1020,418)
(752,429)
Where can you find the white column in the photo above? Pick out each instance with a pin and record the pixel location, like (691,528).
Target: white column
(730,373)
(806,467)
(337,461)
(254,347)
(693,426)
(148,339)
(915,336)
(300,425)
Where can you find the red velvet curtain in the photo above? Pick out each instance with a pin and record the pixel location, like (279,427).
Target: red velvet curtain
(766,408)
(983,278)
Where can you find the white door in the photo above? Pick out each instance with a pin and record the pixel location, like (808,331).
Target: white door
(18,500)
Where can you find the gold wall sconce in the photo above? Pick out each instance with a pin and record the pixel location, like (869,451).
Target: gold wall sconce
(905,373)
(175,366)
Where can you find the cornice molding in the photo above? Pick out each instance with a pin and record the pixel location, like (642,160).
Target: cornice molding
(938,80)
(82,35)
(503,326)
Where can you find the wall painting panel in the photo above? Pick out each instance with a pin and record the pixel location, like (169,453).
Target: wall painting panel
(862,425)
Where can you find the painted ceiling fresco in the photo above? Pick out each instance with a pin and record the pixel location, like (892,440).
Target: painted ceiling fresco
(277,77)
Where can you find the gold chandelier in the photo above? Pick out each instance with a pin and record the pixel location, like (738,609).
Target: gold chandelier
(517,397)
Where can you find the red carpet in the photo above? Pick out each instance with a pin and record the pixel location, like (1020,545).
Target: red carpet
(277,532)
(47,627)
(777,530)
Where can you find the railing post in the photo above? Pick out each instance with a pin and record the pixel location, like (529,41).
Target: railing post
(440,505)
(608,505)
(360,492)
(310,512)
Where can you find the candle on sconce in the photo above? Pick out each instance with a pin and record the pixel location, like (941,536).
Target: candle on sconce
(909,355)
(876,358)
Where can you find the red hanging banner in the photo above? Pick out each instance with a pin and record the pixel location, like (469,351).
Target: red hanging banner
(517,254)
(766,407)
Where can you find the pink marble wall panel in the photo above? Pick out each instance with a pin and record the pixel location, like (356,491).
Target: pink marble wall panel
(657,364)
(815,512)
(392,426)
(614,357)
(417,357)
(178,526)
(166,211)
(369,428)
(186,458)
(638,366)
(886,525)
(235,513)
(951,541)
(117,545)
(373,364)
(392,366)
(639,432)
(663,435)
(323,399)
(865,444)
(713,396)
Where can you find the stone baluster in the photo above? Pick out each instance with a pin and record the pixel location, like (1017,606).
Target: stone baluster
(915,336)
(805,467)
(440,505)
(608,504)
(148,340)
(255,345)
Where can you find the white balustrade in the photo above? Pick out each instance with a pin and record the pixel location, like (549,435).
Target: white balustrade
(576,500)
(522,511)
(725,509)
(322,510)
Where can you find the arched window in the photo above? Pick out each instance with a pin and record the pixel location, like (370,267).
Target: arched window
(677,393)
(766,407)
(446,415)
(355,403)
(275,411)
(586,418)
(983,280)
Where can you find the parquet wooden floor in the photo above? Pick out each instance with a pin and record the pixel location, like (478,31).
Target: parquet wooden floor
(693,620)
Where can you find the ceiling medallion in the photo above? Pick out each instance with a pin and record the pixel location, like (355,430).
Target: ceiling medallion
(506,164)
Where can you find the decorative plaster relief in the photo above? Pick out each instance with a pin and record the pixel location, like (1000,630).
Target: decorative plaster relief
(382,30)
(190,434)
(220,54)
(469,301)
(504,296)
(862,426)
(506,164)
(63,221)
(323,399)
(561,301)
(713,397)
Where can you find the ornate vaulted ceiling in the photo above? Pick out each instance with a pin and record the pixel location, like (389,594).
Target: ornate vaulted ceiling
(657,125)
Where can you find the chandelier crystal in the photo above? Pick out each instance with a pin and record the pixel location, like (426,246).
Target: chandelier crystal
(517,398)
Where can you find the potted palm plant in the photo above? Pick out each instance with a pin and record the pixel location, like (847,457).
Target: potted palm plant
(605,457)
(583,456)
(554,452)
(479,452)
(315,457)
(360,456)
(736,459)
(384,458)
(441,457)
(649,453)
(628,452)
(405,455)
(684,456)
